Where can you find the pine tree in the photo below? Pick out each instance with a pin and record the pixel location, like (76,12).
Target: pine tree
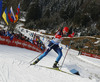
(34,13)
(25,4)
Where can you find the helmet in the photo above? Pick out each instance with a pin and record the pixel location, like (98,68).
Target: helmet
(66,29)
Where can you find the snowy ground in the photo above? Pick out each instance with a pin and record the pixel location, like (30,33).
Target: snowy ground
(14,67)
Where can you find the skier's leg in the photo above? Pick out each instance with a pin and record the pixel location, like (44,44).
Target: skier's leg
(50,45)
(44,54)
(59,52)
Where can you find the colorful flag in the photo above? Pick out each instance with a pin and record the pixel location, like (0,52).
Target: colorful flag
(11,15)
(5,17)
(0,7)
(16,16)
(18,10)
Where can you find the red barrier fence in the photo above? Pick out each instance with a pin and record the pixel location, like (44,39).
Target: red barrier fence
(91,55)
(19,43)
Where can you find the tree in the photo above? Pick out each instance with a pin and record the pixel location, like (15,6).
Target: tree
(98,24)
(77,18)
(63,14)
(34,13)
(94,10)
(25,4)
(85,20)
(47,13)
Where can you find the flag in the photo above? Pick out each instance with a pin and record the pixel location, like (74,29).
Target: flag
(5,17)
(16,16)
(11,15)
(0,7)
(18,10)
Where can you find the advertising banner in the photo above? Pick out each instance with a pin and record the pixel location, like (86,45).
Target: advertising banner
(91,55)
(19,43)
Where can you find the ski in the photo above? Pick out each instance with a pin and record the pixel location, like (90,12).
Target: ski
(57,69)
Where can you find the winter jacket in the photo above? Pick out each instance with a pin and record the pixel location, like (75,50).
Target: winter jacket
(59,36)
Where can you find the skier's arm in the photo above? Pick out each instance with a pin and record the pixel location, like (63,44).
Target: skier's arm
(71,35)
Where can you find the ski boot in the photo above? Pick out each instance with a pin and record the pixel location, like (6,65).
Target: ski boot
(35,62)
(55,65)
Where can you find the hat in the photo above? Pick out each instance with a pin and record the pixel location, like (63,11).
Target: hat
(66,29)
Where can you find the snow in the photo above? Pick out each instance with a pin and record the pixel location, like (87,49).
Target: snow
(22,19)
(15,66)
(42,31)
(4,27)
(1,25)
(79,34)
(97,42)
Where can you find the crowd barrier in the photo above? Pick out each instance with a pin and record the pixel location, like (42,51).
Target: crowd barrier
(19,43)
(91,55)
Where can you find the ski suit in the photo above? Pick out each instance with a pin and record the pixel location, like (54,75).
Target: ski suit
(54,44)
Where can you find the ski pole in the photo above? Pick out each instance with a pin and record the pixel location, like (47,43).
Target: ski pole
(65,57)
(41,53)
(35,57)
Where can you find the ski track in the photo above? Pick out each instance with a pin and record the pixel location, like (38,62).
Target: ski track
(14,67)
(86,66)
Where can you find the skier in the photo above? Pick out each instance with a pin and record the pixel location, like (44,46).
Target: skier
(54,44)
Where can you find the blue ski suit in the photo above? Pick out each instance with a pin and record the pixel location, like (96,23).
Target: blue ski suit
(54,44)
(56,48)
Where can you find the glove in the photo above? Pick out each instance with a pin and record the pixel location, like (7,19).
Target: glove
(71,35)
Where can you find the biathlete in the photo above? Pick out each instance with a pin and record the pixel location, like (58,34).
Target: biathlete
(54,44)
